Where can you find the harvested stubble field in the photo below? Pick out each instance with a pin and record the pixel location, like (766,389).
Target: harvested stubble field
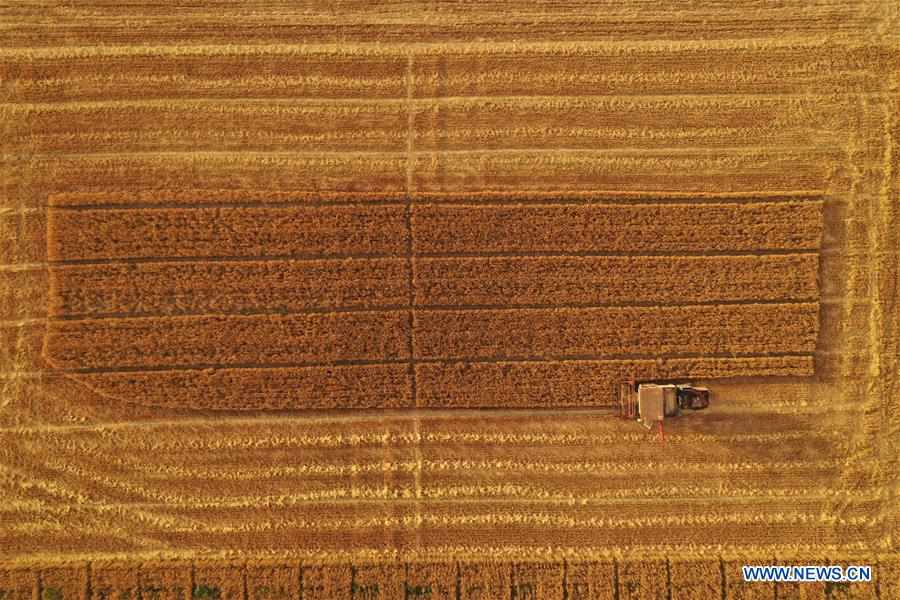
(252,255)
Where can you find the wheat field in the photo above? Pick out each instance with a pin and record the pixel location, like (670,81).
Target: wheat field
(330,300)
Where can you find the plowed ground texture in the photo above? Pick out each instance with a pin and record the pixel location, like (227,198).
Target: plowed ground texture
(304,300)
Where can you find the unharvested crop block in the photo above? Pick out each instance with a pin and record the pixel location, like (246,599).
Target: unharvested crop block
(292,300)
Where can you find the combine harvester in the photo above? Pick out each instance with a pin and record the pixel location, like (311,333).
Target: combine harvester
(651,403)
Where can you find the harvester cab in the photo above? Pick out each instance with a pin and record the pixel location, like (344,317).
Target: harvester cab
(694,398)
(651,403)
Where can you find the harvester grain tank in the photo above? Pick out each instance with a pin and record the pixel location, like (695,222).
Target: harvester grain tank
(652,403)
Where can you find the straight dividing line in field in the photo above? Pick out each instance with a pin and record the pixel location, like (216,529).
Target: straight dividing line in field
(775,18)
(416,100)
(817,408)
(89,580)
(480,200)
(428,361)
(707,152)
(415,307)
(548,197)
(616,592)
(286,204)
(28,321)
(718,14)
(364,256)
(668,579)
(244,591)
(244,312)
(218,259)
